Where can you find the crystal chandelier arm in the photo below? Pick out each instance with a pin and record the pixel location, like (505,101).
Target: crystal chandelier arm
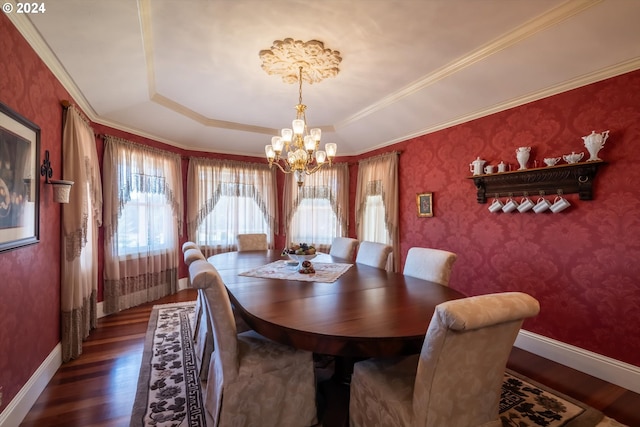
(283,170)
(312,170)
(317,166)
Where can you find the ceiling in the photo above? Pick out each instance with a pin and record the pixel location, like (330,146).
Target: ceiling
(187,72)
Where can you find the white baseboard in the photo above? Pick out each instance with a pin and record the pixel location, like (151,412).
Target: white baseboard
(594,364)
(20,405)
(100,310)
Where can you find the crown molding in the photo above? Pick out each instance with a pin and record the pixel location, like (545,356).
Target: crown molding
(36,41)
(528,29)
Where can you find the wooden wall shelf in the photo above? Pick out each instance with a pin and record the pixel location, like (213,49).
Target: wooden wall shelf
(567,179)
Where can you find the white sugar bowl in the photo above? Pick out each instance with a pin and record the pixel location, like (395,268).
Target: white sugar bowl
(573,157)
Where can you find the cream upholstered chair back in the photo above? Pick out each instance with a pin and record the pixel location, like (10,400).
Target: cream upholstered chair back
(201,323)
(206,279)
(252,242)
(252,380)
(373,254)
(205,276)
(191,255)
(344,247)
(434,265)
(456,379)
(189,245)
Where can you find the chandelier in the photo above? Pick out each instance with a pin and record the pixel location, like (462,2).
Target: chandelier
(297,149)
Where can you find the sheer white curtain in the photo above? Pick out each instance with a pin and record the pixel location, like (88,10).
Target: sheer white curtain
(143,223)
(81,218)
(377,202)
(318,211)
(226,198)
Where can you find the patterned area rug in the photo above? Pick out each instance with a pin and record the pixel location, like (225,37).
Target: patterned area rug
(169,391)
(524,402)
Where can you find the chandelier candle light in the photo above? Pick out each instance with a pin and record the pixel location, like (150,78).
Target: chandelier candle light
(301,145)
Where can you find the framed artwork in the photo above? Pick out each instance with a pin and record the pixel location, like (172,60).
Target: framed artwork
(425,204)
(19,180)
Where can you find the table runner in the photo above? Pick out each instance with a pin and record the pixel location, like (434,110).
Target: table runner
(325,272)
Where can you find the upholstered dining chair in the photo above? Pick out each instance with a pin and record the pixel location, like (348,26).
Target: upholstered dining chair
(200,323)
(189,245)
(456,380)
(430,264)
(252,380)
(252,242)
(344,247)
(192,254)
(373,254)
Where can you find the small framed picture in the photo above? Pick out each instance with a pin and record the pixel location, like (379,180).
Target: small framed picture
(425,204)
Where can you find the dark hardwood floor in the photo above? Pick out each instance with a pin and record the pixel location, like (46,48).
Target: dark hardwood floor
(98,388)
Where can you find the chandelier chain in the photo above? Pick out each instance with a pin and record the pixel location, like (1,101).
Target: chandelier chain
(300,86)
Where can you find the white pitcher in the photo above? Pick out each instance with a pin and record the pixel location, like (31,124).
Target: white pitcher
(594,143)
(522,155)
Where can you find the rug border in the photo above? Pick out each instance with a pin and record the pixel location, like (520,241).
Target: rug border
(173,304)
(142,389)
(589,418)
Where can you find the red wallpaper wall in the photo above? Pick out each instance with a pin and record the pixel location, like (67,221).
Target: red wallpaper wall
(29,288)
(581,264)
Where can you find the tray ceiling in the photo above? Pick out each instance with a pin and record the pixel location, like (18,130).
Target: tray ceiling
(187,72)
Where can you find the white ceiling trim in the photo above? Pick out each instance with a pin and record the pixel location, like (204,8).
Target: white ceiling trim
(206,121)
(144,15)
(35,40)
(581,81)
(549,19)
(144,10)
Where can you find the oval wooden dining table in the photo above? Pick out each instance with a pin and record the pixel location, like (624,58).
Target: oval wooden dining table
(366,312)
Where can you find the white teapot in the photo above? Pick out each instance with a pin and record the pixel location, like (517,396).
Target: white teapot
(477,166)
(594,143)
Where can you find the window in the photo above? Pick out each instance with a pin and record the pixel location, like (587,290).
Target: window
(374,228)
(314,221)
(317,212)
(377,202)
(143,224)
(227,198)
(234,212)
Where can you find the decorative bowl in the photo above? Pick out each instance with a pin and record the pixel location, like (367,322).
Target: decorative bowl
(301,258)
(551,161)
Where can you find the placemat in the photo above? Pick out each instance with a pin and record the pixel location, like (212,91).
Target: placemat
(325,272)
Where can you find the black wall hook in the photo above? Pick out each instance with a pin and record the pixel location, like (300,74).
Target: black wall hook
(45,169)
